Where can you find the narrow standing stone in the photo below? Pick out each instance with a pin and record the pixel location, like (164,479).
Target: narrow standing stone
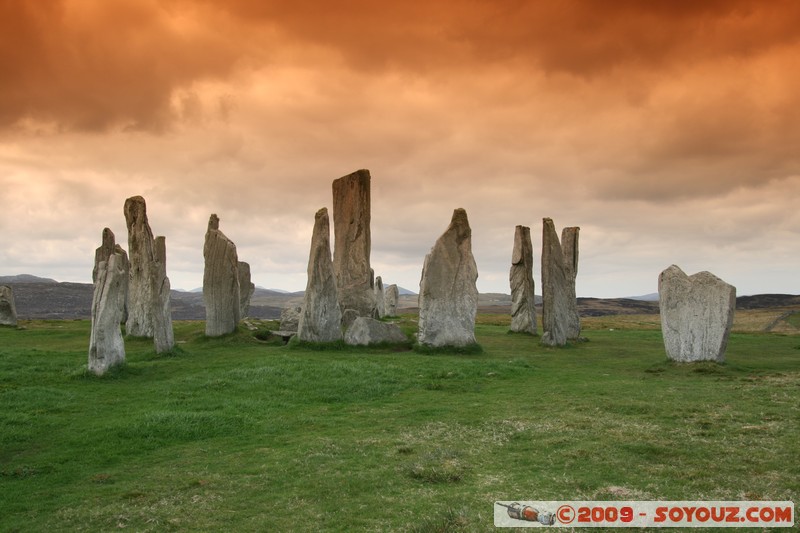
(220,281)
(246,288)
(103,253)
(569,244)
(523,310)
(8,310)
(696,315)
(148,284)
(106,346)
(380,304)
(321,317)
(390,300)
(448,297)
(352,239)
(556,285)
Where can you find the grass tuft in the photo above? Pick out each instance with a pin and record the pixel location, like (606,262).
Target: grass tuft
(439,466)
(470,349)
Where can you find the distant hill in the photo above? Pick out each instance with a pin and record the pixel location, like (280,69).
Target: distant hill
(652,297)
(37,297)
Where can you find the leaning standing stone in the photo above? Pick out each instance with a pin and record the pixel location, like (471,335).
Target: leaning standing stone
(106,346)
(351,229)
(8,311)
(696,315)
(448,297)
(220,281)
(523,310)
(321,318)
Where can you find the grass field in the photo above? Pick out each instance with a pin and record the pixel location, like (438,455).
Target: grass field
(239,434)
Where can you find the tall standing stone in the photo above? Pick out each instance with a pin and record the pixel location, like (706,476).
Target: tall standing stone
(220,281)
(246,289)
(569,245)
(523,310)
(321,317)
(390,300)
(380,303)
(352,239)
(148,285)
(8,310)
(106,346)
(448,296)
(696,315)
(557,288)
(103,253)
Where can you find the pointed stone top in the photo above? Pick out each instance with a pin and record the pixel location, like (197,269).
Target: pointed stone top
(213,222)
(460,224)
(321,213)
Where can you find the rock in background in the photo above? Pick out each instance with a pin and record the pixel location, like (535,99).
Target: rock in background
(290,317)
(380,304)
(523,310)
(696,315)
(8,311)
(106,346)
(321,318)
(103,253)
(220,281)
(352,239)
(246,288)
(365,331)
(391,296)
(148,285)
(556,284)
(569,245)
(448,297)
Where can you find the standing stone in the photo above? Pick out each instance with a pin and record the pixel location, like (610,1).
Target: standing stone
(569,245)
(8,311)
(365,331)
(321,318)
(103,253)
(557,289)
(448,296)
(246,289)
(106,346)
(696,315)
(390,300)
(380,304)
(163,335)
(352,239)
(220,281)
(523,310)
(148,285)
(290,317)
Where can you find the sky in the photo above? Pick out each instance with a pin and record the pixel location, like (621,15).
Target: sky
(669,132)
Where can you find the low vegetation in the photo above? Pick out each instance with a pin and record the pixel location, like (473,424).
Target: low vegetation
(245,433)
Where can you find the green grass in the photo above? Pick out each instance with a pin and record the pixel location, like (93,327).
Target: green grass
(237,433)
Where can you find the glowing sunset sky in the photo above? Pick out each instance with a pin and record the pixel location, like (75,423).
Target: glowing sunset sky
(668,131)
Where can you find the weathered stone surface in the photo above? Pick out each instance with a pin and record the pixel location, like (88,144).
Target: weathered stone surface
(106,346)
(290,317)
(448,296)
(103,253)
(148,285)
(380,303)
(246,288)
(391,297)
(321,318)
(220,281)
(8,310)
(569,245)
(348,317)
(696,315)
(365,331)
(523,310)
(351,228)
(557,289)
